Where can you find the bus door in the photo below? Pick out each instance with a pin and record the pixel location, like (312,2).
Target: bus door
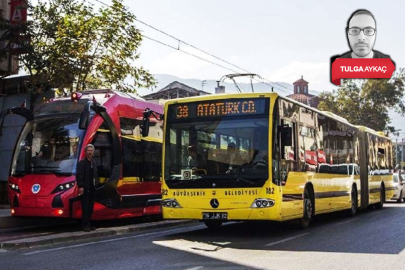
(291,200)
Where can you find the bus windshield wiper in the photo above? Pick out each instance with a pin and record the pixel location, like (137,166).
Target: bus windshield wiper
(21,173)
(44,167)
(244,180)
(186,181)
(59,173)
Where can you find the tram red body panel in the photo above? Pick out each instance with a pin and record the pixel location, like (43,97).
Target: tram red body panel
(40,203)
(47,194)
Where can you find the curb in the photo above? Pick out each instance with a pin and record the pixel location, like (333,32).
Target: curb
(54,239)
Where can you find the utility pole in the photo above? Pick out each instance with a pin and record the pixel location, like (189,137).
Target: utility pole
(204,82)
(402,159)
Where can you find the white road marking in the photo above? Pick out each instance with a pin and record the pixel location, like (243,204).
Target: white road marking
(112,240)
(286,239)
(344,222)
(195,268)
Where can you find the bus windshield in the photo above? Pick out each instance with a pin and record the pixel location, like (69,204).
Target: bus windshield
(218,152)
(48,145)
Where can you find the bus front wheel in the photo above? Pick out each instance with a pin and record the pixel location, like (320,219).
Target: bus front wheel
(308,210)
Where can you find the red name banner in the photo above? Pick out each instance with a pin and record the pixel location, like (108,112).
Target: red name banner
(361,68)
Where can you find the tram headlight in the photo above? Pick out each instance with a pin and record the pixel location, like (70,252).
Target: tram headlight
(64,187)
(14,187)
(171,203)
(262,203)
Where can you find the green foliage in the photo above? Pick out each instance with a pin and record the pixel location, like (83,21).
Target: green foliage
(366,102)
(73,46)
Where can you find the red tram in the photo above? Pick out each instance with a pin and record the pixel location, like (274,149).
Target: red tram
(42,177)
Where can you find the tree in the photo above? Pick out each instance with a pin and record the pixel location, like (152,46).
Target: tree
(72,46)
(367,102)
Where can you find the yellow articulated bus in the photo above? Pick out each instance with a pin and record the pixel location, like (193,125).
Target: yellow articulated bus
(260,156)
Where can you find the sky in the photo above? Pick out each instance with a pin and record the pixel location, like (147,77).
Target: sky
(279,40)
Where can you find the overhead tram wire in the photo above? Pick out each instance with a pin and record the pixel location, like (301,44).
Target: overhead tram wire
(178,49)
(218,58)
(203,59)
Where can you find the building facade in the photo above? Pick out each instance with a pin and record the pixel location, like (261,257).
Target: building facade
(14,12)
(175,90)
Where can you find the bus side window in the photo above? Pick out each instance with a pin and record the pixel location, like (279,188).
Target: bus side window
(289,152)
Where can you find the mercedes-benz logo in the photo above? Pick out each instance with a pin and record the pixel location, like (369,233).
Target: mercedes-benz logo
(214,203)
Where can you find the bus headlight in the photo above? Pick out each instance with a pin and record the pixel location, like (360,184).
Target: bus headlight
(262,203)
(171,203)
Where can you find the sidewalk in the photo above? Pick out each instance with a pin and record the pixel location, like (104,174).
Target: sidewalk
(53,239)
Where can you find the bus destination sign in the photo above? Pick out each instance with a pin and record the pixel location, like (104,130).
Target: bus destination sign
(219,108)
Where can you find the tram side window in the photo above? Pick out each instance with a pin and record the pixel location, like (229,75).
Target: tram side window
(103,154)
(152,166)
(130,126)
(131,147)
(131,157)
(141,158)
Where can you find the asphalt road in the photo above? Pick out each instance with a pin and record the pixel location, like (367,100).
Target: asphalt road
(5,213)
(374,239)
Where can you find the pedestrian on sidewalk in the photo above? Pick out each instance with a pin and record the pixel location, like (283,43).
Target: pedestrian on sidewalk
(87,181)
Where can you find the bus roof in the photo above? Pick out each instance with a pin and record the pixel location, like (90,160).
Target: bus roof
(274,95)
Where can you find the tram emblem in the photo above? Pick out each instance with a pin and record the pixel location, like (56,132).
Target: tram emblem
(35,188)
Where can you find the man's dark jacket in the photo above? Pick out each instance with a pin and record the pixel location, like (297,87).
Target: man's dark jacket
(83,174)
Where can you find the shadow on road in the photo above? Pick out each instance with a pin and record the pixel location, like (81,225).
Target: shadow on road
(371,231)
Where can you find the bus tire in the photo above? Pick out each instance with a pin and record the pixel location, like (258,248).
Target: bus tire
(213,224)
(353,204)
(400,199)
(380,205)
(308,210)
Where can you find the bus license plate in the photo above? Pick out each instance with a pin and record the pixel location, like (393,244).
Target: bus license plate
(215,215)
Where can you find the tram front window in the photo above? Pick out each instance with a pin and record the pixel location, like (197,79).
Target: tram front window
(48,145)
(226,152)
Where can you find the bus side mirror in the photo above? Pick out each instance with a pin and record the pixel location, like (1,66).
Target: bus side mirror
(286,135)
(84,119)
(145,124)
